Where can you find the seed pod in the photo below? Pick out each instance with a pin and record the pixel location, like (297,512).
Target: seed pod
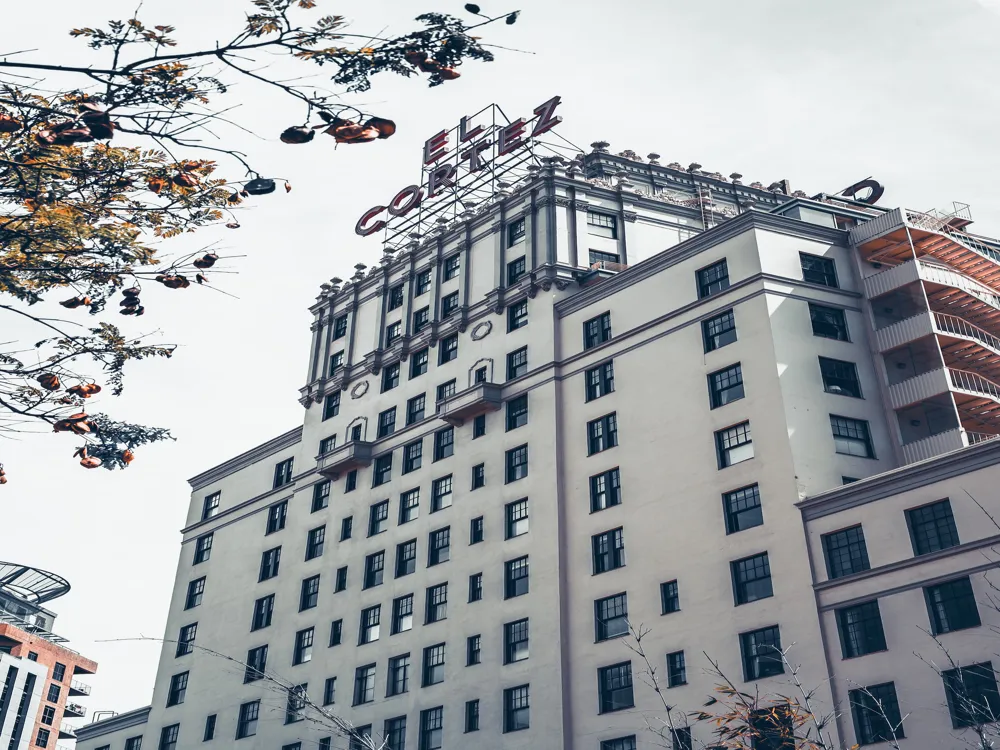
(414,57)
(185,180)
(49,381)
(9,124)
(91,462)
(80,428)
(206,261)
(448,74)
(384,127)
(92,388)
(128,456)
(131,291)
(298,134)
(428,65)
(260,186)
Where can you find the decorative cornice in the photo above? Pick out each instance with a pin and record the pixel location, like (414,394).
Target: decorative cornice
(895,482)
(243,460)
(116,723)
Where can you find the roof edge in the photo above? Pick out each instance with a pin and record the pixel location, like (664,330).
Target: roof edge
(243,460)
(132,718)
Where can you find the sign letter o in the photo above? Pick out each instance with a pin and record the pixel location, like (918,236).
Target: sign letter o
(406,200)
(363,228)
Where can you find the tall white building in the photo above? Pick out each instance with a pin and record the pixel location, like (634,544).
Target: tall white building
(619,392)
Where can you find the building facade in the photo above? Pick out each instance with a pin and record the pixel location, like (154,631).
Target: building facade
(608,397)
(37,671)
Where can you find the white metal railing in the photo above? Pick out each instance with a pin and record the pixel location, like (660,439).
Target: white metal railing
(939,273)
(607,265)
(960,327)
(76,708)
(81,686)
(65,728)
(935,445)
(979,437)
(933,224)
(878,226)
(971,381)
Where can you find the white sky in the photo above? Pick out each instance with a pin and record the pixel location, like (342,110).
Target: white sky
(822,94)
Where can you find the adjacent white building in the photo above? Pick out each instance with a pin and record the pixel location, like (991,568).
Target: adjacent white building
(619,393)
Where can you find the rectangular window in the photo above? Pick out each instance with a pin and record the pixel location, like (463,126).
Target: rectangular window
(818,270)
(59,670)
(351,483)
(303,646)
(386,423)
(515,577)
(415,409)
(713,279)
(448,349)
(516,709)
(202,548)
(421,319)
(246,725)
(294,706)
(441,493)
(670,599)
(476,587)
(480,375)
(860,629)
(719,331)
(473,650)
(597,330)
(382,469)
(515,271)
(611,617)
(845,552)
(476,530)
(42,738)
(374,569)
(614,685)
(396,297)
(602,225)
(53,694)
(168,735)
(423,283)
(515,640)
(876,714)
(852,437)
(209,734)
(402,614)
(952,606)
(734,445)
(840,377)
(178,689)
(517,315)
(828,322)
(472,716)
(184,640)
(605,490)
(742,509)
(406,558)
(602,433)
(725,386)
(409,505)
(515,233)
(339,327)
(676,669)
(451,266)
(681,738)
(269,562)
(320,496)
(433,665)
(378,518)
(449,303)
(431,728)
(608,550)
(331,406)
(621,743)
(210,505)
(263,609)
(336,362)
(277,514)
(256,664)
(283,473)
(390,377)
(399,675)
(361,738)
(341,582)
(446,390)
(517,363)
(972,695)
(479,426)
(393,331)
(364,684)
(932,527)
(336,632)
(315,541)
(195,593)
(517,412)
(369,628)
(516,518)
(418,364)
(437,603)
(478,476)
(600,380)
(751,579)
(601,259)
(444,443)
(761,653)
(330,691)
(439,546)
(346,528)
(309,594)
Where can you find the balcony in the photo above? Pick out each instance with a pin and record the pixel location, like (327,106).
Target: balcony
(479,399)
(79,688)
(351,455)
(75,710)
(66,732)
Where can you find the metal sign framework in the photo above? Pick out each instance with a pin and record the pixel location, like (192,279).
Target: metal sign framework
(482,170)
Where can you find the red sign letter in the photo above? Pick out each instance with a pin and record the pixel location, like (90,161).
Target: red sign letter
(441,177)
(467,135)
(406,200)
(370,214)
(436,147)
(545,119)
(510,137)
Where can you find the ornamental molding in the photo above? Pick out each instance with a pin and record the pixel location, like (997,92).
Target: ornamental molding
(359,390)
(483,329)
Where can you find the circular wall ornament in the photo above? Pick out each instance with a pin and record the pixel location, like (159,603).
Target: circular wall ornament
(360,389)
(482,330)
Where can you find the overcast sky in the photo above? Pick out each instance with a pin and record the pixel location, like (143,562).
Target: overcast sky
(822,94)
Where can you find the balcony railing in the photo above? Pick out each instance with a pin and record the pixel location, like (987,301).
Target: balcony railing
(75,710)
(351,455)
(479,399)
(935,445)
(607,265)
(66,731)
(959,327)
(979,437)
(79,688)
(970,381)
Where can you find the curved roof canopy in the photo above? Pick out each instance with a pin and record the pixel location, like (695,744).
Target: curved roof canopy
(33,585)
